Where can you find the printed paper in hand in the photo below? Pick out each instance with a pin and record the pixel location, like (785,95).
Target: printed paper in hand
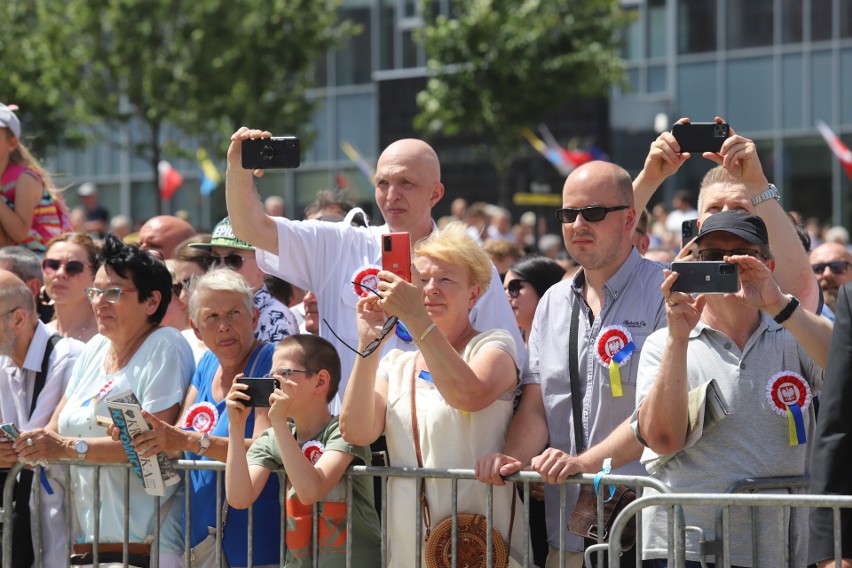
(126,413)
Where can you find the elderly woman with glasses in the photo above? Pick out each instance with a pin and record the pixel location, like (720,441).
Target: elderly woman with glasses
(132,352)
(453,397)
(223,315)
(69,265)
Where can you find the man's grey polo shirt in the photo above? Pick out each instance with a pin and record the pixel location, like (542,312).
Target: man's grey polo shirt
(633,304)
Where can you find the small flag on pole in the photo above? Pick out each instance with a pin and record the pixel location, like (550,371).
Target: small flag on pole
(358,160)
(170,179)
(210,178)
(843,153)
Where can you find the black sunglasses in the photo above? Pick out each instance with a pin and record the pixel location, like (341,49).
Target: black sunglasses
(373,345)
(837,267)
(718,255)
(590,214)
(514,287)
(72,267)
(234,261)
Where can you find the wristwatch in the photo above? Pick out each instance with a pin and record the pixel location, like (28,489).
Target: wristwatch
(203,443)
(82,447)
(771,193)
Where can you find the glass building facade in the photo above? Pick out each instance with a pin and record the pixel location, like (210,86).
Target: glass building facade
(771,68)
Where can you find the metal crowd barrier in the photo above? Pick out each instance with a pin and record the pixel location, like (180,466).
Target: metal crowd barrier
(726,501)
(385,473)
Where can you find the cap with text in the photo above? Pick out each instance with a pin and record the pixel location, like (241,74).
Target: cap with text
(223,236)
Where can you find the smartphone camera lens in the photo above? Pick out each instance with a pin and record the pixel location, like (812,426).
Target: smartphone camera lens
(268,152)
(726,269)
(387,243)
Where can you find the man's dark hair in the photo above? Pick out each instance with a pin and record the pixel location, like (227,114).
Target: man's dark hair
(147,272)
(328,199)
(317,353)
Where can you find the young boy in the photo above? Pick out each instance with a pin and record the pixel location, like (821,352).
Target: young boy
(313,454)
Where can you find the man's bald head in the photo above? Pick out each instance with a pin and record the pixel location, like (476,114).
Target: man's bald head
(415,152)
(608,176)
(161,234)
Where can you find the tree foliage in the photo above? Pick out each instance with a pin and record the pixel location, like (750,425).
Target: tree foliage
(205,67)
(498,66)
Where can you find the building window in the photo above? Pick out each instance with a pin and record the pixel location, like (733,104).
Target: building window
(821,19)
(657,31)
(749,23)
(696,26)
(791,21)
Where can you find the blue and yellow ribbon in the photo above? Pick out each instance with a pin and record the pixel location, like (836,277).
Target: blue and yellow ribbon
(796,425)
(614,364)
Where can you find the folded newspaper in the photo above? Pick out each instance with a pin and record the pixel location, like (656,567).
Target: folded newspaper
(155,474)
(707,407)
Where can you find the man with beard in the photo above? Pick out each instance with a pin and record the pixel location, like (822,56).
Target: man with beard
(831,262)
(35,365)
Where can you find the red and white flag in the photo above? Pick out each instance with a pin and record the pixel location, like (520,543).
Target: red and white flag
(170,179)
(843,153)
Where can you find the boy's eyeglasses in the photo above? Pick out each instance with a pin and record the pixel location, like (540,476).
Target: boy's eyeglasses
(287,372)
(590,214)
(837,267)
(234,261)
(72,267)
(373,345)
(717,255)
(514,287)
(111,295)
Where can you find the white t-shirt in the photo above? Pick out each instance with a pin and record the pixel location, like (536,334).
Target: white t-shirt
(159,374)
(327,257)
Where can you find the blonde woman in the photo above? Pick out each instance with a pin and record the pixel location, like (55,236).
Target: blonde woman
(463,382)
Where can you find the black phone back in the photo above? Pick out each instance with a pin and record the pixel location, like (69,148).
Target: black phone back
(271,153)
(259,390)
(700,136)
(712,277)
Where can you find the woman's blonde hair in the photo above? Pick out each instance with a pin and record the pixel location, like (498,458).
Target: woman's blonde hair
(453,245)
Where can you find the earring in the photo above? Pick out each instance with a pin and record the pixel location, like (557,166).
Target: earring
(43,298)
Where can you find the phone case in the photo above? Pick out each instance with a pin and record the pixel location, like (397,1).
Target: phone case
(700,136)
(688,230)
(259,390)
(271,153)
(699,277)
(396,254)
(10,430)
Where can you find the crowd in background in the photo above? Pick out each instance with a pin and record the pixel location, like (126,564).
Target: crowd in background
(434,368)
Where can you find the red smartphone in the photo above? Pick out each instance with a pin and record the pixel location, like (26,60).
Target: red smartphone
(396,254)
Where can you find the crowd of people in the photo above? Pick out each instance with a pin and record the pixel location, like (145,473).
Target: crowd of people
(509,349)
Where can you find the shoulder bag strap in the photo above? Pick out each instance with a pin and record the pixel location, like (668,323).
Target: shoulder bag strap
(424,504)
(258,352)
(41,376)
(574,373)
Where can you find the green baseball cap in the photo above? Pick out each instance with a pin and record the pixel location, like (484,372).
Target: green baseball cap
(223,236)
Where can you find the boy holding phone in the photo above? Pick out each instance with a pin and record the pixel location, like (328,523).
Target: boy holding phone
(312,452)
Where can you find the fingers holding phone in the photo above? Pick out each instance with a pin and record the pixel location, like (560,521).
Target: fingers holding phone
(682,309)
(236,402)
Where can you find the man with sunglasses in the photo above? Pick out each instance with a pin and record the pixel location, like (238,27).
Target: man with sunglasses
(32,355)
(766,355)
(275,321)
(612,303)
(830,263)
(327,258)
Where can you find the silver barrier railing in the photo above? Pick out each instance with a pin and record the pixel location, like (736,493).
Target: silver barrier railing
(726,501)
(384,473)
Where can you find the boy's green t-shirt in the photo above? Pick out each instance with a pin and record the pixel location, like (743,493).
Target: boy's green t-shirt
(366,549)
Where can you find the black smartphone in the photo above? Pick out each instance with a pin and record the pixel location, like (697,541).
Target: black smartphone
(688,231)
(711,277)
(271,153)
(700,136)
(259,389)
(396,254)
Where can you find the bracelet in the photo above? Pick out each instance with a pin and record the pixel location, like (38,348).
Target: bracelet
(785,314)
(425,333)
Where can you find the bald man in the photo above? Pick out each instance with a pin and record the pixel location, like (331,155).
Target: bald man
(614,301)
(25,345)
(161,234)
(334,259)
(831,262)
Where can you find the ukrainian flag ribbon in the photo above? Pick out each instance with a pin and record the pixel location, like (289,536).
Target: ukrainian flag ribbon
(796,425)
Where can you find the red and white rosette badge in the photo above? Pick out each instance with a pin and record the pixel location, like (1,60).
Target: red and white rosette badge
(369,277)
(789,394)
(201,417)
(313,450)
(613,348)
